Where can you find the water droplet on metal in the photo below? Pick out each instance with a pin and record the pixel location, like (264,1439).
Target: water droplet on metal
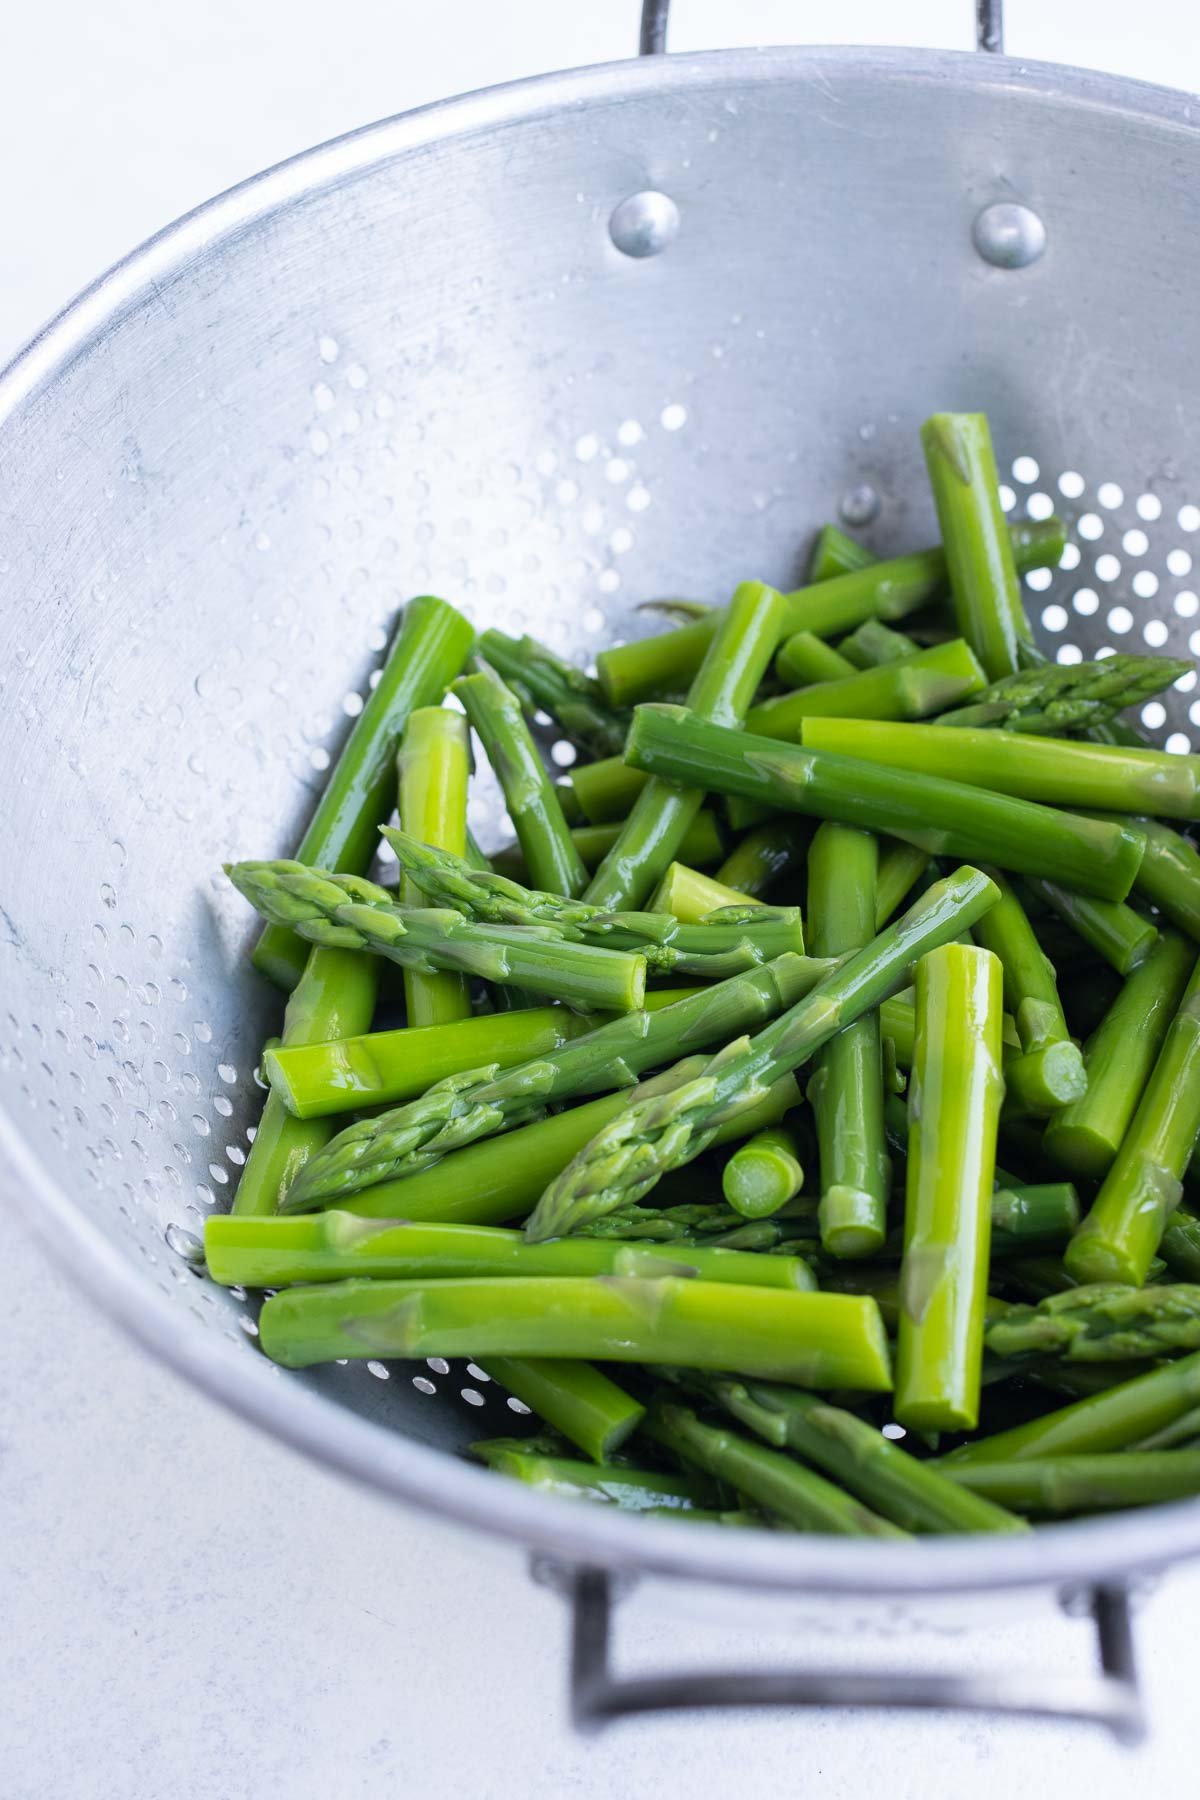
(860,504)
(644,224)
(185,1244)
(1009,235)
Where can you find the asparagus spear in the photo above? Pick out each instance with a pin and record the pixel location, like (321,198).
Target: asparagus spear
(1121,936)
(1049,1073)
(724,686)
(875,643)
(788,1490)
(633,1490)
(349,913)
(833,553)
(1169,875)
(334,995)
(333,1246)
(605,791)
(1061,1485)
(1180,1246)
(482,1101)
(543,680)
(804,658)
(690,896)
(954,1112)
(1183,1431)
(1103,1322)
(701,848)
(578,1400)
(924,683)
(763,1174)
(627,1157)
(434,764)
(765,855)
(901,866)
(1084,1137)
(822,1340)
(1056,771)
(1143,1186)
(430,647)
(942,817)
(1058,697)
(529,794)
(889,590)
(979,556)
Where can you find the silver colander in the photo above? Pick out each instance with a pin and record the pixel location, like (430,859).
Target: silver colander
(550,350)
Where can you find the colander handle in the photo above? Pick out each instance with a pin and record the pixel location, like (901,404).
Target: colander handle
(1110,1698)
(989,26)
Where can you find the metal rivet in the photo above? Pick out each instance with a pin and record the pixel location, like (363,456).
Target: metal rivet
(1009,235)
(644,224)
(860,505)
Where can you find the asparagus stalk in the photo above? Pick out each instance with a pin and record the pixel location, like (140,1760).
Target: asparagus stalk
(633,1490)
(924,683)
(979,557)
(1085,1136)
(875,643)
(763,1174)
(529,794)
(833,553)
(724,686)
(627,1157)
(701,848)
(578,1400)
(1180,1246)
(605,791)
(1032,1216)
(901,866)
(1055,771)
(334,1246)
(890,590)
(434,764)
(939,816)
(804,658)
(821,1340)
(1103,1322)
(483,1100)
(544,681)
(1113,930)
(430,647)
(766,855)
(1169,875)
(1061,1485)
(1183,1431)
(690,896)
(1121,1233)
(954,1113)
(784,1487)
(1058,697)
(1049,1073)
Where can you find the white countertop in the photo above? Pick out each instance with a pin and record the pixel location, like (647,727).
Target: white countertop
(190,1610)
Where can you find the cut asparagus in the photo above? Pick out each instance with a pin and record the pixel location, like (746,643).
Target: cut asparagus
(766,854)
(901,866)
(1180,1246)
(833,553)
(701,848)
(804,659)
(690,896)
(954,1113)
(1102,1322)
(605,791)
(544,681)
(984,588)
(627,1157)
(939,816)
(1061,1485)
(434,764)
(875,643)
(1049,1072)
(1124,938)
(927,682)
(763,1174)
(1056,697)
(1169,875)
(430,647)
(577,1399)
(633,1490)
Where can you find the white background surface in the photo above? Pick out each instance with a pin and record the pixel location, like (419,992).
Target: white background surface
(190,1611)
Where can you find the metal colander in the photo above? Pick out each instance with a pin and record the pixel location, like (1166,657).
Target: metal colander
(549,350)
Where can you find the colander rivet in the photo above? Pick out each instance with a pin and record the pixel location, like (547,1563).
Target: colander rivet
(859,505)
(1009,235)
(185,1244)
(644,224)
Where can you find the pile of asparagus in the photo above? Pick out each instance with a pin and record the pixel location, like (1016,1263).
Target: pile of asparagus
(819,1069)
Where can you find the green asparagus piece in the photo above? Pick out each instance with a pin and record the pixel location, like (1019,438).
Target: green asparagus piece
(1056,697)
(1061,1485)
(784,1487)
(804,659)
(334,995)
(927,682)
(434,764)
(1183,1431)
(633,1490)
(578,1400)
(1103,1322)
(763,1174)
(529,794)
(1049,1072)
(627,1157)
(1056,771)
(1085,1136)
(701,848)
(846,1087)
(1113,930)
(349,913)
(690,896)
(605,791)
(939,816)
(1180,1246)
(1169,876)
(1143,1186)
(822,1340)
(1032,1216)
(833,553)
(765,855)
(954,1113)
(890,590)
(984,588)
(481,1101)
(724,686)
(544,681)
(901,866)
(875,643)
(430,647)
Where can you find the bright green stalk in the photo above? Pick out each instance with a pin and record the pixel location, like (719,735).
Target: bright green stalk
(629,1155)
(875,643)
(724,686)
(846,1088)
(529,794)
(543,681)
(633,1490)
(606,790)
(348,913)
(1121,936)
(1049,1072)
(335,995)
(577,1399)
(434,765)
(901,866)
(833,553)
(1084,1137)
(765,855)
(1056,771)
(1104,1322)
(821,1340)
(763,1174)
(927,682)
(430,647)
(1183,1431)
(984,588)
(1052,698)
(885,590)
(1032,1216)
(784,1487)
(690,896)
(1059,1486)
(482,1101)
(1142,1188)
(701,848)
(1169,876)
(945,818)
(804,659)
(1180,1246)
